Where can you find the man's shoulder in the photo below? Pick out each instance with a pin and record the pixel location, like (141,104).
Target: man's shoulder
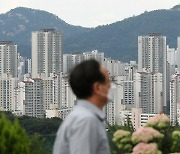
(81,113)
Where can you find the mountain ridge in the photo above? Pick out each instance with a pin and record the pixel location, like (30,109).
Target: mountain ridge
(17,25)
(117,40)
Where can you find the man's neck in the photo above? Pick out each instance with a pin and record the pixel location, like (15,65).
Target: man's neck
(95,102)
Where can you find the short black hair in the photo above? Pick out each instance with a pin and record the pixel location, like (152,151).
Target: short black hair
(83,76)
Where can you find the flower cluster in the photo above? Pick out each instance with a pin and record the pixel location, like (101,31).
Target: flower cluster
(145,134)
(122,139)
(120,134)
(160,121)
(144,148)
(176,141)
(153,138)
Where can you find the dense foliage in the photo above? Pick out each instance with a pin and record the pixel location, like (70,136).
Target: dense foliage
(41,132)
(13,139)
(112,129)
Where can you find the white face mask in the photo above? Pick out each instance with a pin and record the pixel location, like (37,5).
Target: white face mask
(109,95)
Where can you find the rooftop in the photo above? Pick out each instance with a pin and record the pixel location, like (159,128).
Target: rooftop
(154,34)
(6,42)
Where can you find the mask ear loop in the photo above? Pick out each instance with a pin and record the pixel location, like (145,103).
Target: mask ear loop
(110,94)
(104,95)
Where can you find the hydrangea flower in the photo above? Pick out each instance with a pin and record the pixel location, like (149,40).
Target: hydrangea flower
(123,141)
(144,148)
(176,134)
(176,141)
(145,134)
(158,119)
(120,134)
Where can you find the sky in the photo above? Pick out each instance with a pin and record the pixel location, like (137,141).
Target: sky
(90,13)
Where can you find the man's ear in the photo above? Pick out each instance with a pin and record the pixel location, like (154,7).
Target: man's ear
(97,88)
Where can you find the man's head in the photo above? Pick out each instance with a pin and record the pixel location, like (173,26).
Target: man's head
(90,81)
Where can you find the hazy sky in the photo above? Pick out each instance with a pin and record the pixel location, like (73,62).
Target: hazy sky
(90,13)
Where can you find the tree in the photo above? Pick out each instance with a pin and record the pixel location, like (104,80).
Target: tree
(13,138)
(37,144)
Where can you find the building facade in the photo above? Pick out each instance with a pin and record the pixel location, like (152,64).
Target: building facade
(46,52)
(174,97)
(33,102)
(152,55)
(148,92)
(8,59)
(7,93)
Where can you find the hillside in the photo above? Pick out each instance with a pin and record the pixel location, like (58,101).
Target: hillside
(18,23)
(118,40)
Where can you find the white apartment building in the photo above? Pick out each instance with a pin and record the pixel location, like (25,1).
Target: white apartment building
(21,67)
(152,52)
(19,98)
(122,92)
(71,60)
(7,93)
(122,99)
(50,91)
(113,106)
(128,94)
(114,67)
(99,56)
(148,92)
(8,59)
(136,117)
(118,68)
(28,66)
(178,53)
(178,114)
(34,98)
(66,95)
(46,52)
(152,55)
(172,65)
(61,113)
(46,94)
(57,93)
(24,67)
(174,97)
(128,91)
(171,55)
(144,91)
(144,118)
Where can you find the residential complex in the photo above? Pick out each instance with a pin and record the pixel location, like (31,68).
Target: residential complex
(40,87)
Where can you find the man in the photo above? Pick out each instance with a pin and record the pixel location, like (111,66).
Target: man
(83,131)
